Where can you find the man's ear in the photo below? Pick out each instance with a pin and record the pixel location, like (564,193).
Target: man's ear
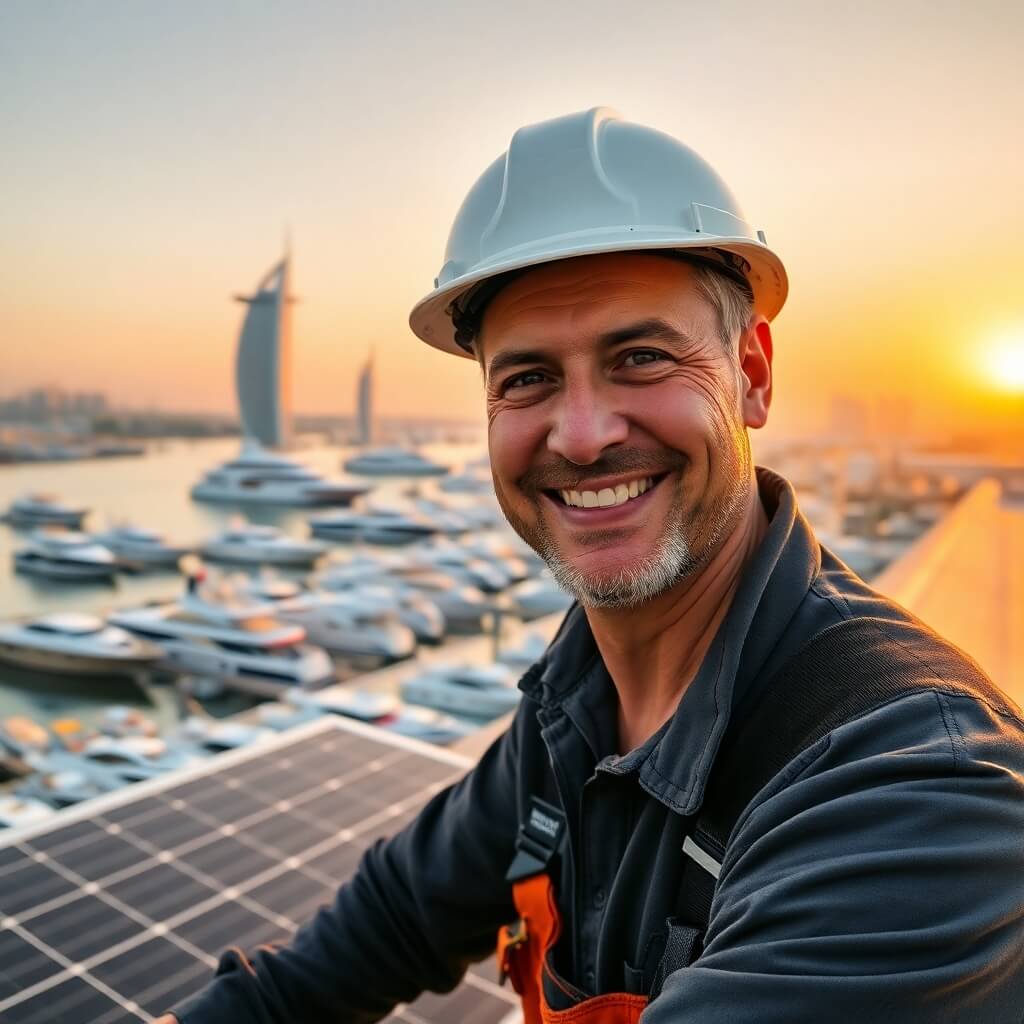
(755,362)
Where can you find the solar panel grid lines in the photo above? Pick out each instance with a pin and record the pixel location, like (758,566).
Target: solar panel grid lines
(117,914)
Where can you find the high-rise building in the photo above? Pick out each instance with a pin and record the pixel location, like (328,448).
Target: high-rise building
(364,404)
(263,370)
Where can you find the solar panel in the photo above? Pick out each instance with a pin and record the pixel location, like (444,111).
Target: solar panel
(121,907)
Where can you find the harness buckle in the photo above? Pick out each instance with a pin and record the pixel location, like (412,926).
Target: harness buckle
(538,840)
(515,936)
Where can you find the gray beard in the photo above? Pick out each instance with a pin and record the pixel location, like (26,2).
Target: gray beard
(675,558)
(671,562)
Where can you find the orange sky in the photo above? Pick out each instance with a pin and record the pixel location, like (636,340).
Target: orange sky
(153,158)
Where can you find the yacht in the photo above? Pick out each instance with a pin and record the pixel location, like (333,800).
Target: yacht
(393,462)
(533,599)
(238,642)
(339,622)
(374,589)
(72,643)
(143,547)
(492,547)
(489,576)
(262,477)
(261,545)
(472,480)
(44,510)
(65,555)
(20,737)
(528,652)
(16,810)
(382,710)
(378,526)
(463,606)
(59,783)
(134,758)
(214,736)
(474,691)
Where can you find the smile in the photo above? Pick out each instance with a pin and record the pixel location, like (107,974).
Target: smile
(607,497)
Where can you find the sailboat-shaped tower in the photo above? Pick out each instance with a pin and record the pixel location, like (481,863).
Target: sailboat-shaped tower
(263,378)
(263,371)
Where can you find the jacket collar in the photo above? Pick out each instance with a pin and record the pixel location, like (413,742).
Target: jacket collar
(674,764)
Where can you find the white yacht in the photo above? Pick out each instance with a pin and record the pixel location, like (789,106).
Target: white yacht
(376,526)
(489,575)
(240,643)
(382,710)
(262,477)
(393,462)
(44,510)
(65,555)
(339,622)
(472,480)
(72,643)
(60,784)
(214,736)
(533,599)
(474,691)
(252,544)
(463,606)
(134,758)
(527,652)
(143,547)
(16,810)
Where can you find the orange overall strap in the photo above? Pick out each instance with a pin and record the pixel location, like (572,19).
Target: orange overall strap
(522,956)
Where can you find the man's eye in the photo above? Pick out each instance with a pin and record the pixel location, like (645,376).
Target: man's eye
(642,357)
(522,380)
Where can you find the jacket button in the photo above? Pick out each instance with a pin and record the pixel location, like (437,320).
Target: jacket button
(599,897)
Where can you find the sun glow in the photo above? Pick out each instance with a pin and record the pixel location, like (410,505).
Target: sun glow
(1005,361)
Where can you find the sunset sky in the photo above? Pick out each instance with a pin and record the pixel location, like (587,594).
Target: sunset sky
(153,155)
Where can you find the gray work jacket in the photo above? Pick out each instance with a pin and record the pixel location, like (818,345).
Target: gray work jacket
(878,876)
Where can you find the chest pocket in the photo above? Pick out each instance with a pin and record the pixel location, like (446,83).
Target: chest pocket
(681,941)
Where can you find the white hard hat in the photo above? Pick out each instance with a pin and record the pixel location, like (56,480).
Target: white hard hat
(592,183)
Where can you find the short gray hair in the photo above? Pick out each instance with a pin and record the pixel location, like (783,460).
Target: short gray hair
(733,304)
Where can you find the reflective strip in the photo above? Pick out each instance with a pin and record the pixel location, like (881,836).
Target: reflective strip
(704,859)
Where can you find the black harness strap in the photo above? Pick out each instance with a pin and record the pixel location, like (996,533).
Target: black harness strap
(843,673)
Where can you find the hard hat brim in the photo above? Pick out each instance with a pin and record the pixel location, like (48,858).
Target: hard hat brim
(431,322)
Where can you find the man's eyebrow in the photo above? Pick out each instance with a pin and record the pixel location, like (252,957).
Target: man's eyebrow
(654,328)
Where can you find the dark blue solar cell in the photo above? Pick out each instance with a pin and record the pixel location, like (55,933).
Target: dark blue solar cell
(21,964)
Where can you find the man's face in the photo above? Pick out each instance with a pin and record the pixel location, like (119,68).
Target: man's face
(615,424)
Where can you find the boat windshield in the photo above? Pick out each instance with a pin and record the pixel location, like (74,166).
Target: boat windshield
(260,624)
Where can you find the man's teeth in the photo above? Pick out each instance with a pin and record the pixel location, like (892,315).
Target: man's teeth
(607,496)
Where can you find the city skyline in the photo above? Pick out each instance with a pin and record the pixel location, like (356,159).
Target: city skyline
(149,181)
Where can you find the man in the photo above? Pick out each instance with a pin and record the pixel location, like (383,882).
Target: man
(619,306)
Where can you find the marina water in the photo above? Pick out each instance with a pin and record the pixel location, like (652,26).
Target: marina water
(151,491)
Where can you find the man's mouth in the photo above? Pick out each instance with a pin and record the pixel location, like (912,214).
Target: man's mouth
(607,497)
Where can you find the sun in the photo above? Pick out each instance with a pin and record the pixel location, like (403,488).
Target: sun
(1005,362)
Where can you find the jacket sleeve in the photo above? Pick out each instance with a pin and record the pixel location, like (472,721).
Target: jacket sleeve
(879,877)
(421,907)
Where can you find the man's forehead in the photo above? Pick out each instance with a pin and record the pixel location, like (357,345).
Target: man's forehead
(590,296)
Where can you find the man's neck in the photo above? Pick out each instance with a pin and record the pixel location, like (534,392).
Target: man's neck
(653,652)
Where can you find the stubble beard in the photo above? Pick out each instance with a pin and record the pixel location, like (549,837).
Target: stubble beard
(684,548)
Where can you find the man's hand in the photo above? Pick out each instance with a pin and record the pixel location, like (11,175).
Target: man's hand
(167,1018)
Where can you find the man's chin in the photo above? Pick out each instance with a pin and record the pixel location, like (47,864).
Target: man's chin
(604,579)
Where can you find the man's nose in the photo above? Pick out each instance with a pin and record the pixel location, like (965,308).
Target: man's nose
(585,424)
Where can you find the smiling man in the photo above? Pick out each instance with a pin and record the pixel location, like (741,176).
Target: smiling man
(742,786)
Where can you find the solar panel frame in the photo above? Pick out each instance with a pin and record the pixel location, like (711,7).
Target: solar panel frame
(89,900)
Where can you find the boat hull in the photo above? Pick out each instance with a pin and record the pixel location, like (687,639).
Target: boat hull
(34,566)
(307,498)
(67,664)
